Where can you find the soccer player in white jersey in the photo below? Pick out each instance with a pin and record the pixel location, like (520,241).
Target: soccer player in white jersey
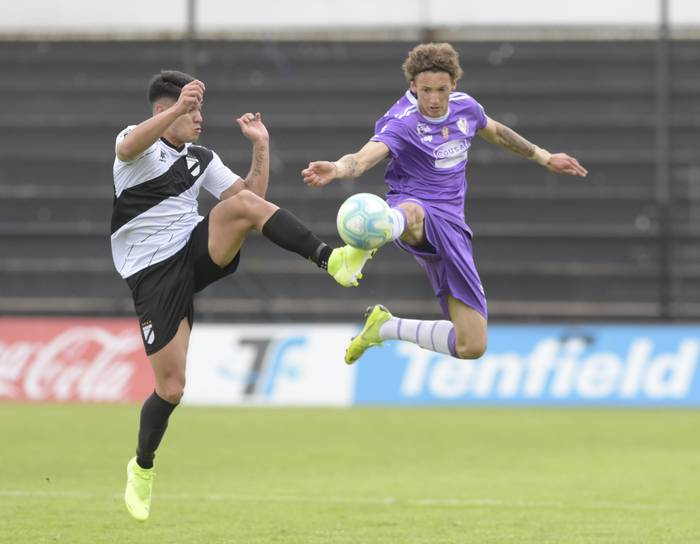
(426,135)
(167,252)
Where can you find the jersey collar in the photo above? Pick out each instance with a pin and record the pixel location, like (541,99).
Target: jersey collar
(171,146)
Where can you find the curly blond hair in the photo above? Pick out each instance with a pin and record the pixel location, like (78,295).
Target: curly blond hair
(432,57)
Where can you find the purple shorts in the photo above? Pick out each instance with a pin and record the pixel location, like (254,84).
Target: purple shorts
(448,261)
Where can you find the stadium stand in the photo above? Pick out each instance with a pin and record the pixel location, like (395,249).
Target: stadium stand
(546,247)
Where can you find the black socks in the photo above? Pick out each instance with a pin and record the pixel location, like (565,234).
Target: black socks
(285,230)
(154,420)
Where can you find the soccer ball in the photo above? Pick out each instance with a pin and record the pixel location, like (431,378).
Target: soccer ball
(364,221)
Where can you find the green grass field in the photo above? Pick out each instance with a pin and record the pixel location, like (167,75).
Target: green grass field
(365,476)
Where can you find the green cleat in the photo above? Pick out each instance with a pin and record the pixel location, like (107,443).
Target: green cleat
(139,486)
(345,264)
(375,317)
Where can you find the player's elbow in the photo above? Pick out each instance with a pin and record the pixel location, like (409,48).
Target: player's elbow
(125,153)
(259,189)
(125,158)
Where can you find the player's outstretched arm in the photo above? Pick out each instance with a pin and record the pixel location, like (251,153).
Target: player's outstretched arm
(253,128)
(559,163)
(321,173)
(146,133)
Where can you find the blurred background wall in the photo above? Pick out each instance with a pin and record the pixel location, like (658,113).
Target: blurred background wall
(234,19)
(614,83)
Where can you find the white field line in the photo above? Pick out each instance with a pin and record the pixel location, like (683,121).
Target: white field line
(386,501)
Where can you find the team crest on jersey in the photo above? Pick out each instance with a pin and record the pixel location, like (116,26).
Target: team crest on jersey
(445,132)
(149,335)
(193,165)
(462,125)
(422,129)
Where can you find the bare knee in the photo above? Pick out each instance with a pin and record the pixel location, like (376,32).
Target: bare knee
(470,348)
(249,207)
(415,215)
(171,386)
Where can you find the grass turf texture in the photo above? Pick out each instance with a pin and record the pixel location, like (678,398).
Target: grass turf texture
(366,476)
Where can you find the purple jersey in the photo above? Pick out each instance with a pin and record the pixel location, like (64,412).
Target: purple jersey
(428,155)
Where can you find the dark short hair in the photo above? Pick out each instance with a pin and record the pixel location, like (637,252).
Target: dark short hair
(167,84)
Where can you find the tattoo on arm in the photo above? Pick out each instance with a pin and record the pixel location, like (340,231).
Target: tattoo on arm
(351,167)
(259,160)
(514,142)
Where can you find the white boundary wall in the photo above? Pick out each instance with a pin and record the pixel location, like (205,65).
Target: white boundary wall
(163,18)
(582,365)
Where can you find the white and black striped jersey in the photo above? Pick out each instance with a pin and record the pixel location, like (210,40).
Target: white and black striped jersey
(155,201)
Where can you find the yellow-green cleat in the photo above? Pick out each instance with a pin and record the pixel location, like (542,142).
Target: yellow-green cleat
(375,317)
(345,264)
(139,486)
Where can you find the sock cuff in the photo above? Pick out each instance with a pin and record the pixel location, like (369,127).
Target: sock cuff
(398,222)
(273,220)
(162,402)
(452,342)
(403,214)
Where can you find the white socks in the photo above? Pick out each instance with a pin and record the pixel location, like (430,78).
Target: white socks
(432,335)
(398,222)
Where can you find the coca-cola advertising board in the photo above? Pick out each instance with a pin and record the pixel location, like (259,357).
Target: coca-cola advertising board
(73,360)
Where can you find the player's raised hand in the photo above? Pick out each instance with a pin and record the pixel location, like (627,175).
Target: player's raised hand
(561,163)
(319,173)
(191,97)
(253,128)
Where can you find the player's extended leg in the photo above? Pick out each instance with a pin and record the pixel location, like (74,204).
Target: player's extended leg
(463,337)
(232,219)
(169,371)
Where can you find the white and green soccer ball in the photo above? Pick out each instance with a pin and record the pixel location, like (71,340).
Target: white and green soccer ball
(364,221)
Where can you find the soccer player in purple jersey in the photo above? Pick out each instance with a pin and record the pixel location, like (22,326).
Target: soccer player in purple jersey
(426,135)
